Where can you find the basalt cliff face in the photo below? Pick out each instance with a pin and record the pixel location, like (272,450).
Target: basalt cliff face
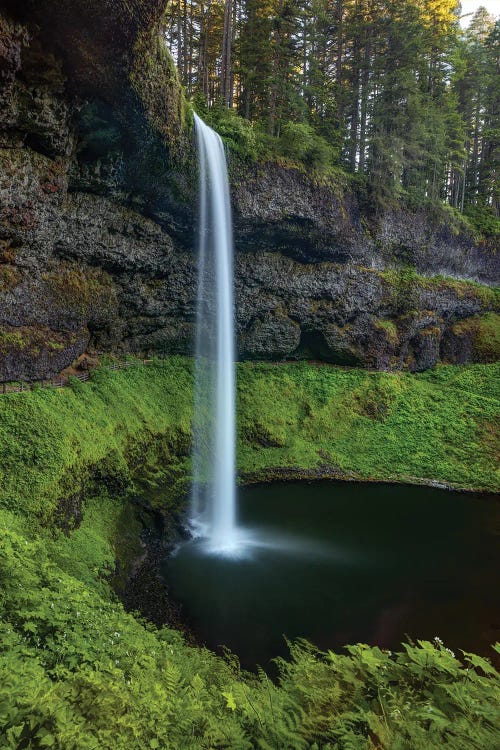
(98,209)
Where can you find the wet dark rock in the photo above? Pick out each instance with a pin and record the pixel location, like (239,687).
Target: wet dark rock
(425,346)
(273,335)
(69,512)
(280,209)
(457,345)
(143,589)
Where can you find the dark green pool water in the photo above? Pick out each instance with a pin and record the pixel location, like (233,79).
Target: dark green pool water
(342,563)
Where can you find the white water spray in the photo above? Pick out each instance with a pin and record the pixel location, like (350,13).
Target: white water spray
(213,511)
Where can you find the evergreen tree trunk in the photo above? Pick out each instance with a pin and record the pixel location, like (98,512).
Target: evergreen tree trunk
(365,82)
(227,36)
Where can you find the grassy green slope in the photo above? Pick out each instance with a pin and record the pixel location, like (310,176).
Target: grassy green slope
(56,442)
(438,425)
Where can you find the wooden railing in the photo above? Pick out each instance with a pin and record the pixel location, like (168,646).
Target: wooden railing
(61,381)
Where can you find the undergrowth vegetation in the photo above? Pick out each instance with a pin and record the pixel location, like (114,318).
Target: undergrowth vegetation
(79,673)
(370,425)
(57,443)
(298,146)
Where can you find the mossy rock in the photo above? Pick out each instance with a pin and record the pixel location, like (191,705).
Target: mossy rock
(88,291)
(487,341)
(38,352)
(10,277)
(404,285)
(390,329)
(155,80)
(476,338)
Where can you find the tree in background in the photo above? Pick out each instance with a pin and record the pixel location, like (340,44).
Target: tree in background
(478,94)
(393,92)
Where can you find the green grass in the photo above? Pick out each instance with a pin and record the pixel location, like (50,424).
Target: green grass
(57,442)
(133,426)
(437,425)
(78,673)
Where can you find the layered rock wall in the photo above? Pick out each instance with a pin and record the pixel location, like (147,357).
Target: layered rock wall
(98,210)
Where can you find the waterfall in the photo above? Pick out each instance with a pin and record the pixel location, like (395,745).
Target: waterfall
(213,507)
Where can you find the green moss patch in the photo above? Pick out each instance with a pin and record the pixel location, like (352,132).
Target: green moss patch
(487,341)
(32,339)
(370,425)
(81,289)
(154,79)
(483,332)
(405,284)
(131,426)
(389,328)
(10,276)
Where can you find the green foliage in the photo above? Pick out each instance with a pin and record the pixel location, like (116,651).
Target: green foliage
(238,134)
(298,145)
(55,443)
(390,329)
(102,546)
(370,425)
(483,220)
(423,698)
(10,277)
(299,142)
(78,673)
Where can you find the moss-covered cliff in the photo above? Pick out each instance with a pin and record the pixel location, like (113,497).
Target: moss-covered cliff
(127,429)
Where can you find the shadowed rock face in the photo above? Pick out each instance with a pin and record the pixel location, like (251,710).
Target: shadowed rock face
(98,213)
(353,315)
(280,209)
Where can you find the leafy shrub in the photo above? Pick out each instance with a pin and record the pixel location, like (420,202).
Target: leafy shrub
(239,134)
(297,146)
(299,142)
(483,220)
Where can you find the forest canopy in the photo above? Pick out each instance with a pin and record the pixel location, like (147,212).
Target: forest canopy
(391,93)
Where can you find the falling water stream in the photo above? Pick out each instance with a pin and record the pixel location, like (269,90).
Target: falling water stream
(213,507)
(213,518)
